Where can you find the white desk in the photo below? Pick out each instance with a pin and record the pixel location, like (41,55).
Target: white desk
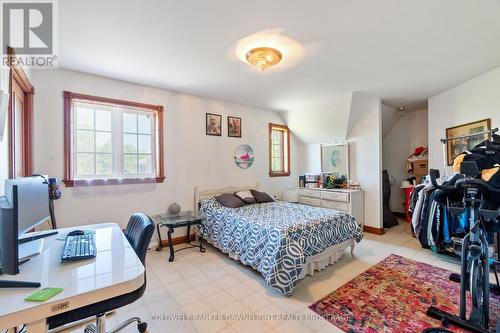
(116,270)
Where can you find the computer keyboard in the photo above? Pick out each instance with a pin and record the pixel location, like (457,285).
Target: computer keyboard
(79,247)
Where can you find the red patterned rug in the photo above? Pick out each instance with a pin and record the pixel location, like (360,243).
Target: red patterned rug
(393,296)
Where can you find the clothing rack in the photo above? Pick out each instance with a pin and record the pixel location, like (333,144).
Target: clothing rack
(445,141)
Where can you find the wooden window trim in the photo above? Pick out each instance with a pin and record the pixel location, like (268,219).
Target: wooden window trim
(68,167)
(17,74)
(287,131)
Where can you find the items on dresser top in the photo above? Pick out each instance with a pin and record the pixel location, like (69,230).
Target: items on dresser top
(344,200)
(309,180)
(173,221)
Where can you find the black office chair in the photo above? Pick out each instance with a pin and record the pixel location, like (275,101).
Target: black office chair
(139,231)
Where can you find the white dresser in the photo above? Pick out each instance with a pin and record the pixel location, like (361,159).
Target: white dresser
(349,201)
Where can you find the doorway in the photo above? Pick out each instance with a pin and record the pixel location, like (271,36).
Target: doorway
(19,131)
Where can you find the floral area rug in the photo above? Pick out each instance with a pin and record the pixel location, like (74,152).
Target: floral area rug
(393,296)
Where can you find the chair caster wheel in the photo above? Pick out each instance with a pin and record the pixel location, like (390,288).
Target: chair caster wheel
(142,327)
(90,329)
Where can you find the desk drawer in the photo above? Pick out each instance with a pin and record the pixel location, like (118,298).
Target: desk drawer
(310,201)
(310,193)
(341,206)
(336,196)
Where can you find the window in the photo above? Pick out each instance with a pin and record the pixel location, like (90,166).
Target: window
(279,150)
(111,142)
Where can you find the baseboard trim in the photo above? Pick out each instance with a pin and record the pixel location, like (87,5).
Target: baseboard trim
(178,240)
(373,230)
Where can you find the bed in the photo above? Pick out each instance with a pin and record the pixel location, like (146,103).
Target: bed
(281,240)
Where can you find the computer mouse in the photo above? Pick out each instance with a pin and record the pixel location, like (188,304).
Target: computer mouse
(76,233)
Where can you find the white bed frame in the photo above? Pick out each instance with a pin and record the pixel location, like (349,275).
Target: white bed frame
(200,195)
(317,262)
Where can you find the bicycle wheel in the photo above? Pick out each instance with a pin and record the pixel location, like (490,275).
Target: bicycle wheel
(476,284)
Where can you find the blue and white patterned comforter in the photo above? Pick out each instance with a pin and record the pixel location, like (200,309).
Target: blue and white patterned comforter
(276,238)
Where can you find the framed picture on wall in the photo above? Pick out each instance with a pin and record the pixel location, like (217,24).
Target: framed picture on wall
(233,127)
(457,146)
(335,159)
(214,124)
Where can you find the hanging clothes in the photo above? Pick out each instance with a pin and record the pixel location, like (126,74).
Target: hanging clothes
(438,217)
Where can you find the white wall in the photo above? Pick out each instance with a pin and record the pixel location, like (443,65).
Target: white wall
(365,156)
(408,132)
(365,149)
(309,158)
(473,100)
(191,158)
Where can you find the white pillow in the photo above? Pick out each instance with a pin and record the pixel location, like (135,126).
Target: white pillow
(246,196)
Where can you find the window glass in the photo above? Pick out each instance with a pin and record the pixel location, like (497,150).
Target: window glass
(112,141)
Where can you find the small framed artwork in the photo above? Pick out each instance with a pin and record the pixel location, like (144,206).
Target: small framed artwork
(335,159)
(460,144)
(234,127)
(214,124)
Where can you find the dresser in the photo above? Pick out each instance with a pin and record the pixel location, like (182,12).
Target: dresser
(344,200)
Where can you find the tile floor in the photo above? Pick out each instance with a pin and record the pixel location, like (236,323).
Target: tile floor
(204,283)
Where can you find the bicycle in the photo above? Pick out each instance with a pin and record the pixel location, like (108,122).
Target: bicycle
(475,262)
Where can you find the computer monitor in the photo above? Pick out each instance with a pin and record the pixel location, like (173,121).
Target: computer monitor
(9,252)
(32,199)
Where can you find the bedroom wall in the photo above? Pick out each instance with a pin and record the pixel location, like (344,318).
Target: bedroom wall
(473,100)
(191,158)
(365,155)
(408,131)
(364,135)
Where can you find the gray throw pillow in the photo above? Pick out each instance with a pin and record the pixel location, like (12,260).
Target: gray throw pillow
(230,200)
(261,197)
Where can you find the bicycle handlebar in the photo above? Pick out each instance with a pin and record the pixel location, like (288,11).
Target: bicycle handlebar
(434,174)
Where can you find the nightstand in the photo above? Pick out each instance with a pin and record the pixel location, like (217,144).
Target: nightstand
(171,222)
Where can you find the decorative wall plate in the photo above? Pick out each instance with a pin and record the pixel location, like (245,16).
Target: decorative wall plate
(243,156)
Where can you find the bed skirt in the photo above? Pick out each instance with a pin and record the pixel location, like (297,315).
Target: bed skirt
(328,257)
(319,261)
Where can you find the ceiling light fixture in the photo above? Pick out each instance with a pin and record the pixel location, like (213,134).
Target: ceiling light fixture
(263,57)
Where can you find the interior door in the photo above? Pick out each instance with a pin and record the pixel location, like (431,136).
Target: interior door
(18,134)
(20,124)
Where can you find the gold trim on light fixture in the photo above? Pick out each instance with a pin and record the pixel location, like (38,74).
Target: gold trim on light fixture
(263,57)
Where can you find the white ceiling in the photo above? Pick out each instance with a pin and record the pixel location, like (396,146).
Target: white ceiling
(399,50)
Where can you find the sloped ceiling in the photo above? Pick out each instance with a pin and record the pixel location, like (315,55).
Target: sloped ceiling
(390,117)
(323,122)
